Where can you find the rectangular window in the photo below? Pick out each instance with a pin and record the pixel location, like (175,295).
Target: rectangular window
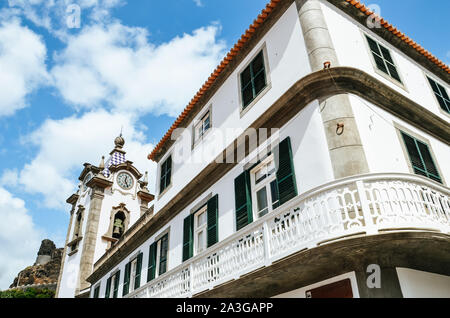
(441,95)
(420,157)
(261,189)
(112,286)
(166,174)
(203,125)
(383,59)
(253,80)
(157,263)
(200,229)
(264,188)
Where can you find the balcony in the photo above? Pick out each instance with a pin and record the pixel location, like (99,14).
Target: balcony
(358,206)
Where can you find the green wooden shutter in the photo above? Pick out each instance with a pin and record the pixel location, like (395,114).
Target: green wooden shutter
(243,200)
(108,288)
(116,285)
(151,262)
(213,232)
(126,282)
(137,279)
(97,292)
(163,254)
(420,158)
(188,237)
(287,185)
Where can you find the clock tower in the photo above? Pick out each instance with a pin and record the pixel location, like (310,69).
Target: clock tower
(111,197)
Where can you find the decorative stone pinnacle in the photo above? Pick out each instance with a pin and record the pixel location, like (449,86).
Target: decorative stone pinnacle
(102,163)
(120,142)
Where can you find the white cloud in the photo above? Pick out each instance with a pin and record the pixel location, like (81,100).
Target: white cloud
(198,3)
(9,178)
(22,65)
(64,145)
(52,14)
(19,239)
(117,65)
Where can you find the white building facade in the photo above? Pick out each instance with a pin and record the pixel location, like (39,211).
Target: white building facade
(316,155)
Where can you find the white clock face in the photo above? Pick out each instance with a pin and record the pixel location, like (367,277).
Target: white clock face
(86,180)
(125,181)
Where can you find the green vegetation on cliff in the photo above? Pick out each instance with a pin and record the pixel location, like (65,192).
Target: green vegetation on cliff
(28,293)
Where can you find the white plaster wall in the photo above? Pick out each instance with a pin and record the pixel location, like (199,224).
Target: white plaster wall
(419,284)
(288,62)
(312,168)
(69,277)
(351,49)
(382,145)
(301,292)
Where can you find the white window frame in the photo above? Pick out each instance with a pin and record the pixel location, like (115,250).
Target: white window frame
(133,273)
(113,283)
(379,42)
(264,184)
(428,76)
(201,122)
(263,48)
(200,228)
(158,255)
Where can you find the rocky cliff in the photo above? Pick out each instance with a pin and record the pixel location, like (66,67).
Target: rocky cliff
(46,268)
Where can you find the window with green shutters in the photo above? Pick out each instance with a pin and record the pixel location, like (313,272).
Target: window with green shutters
(157,260)
(112,286)
(253,80)
(166,174)
(383,59)
(132,279)
(260,189)
(420,157)
(441,95)
(200,229)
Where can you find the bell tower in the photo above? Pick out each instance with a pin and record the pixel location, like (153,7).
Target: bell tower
(111,197)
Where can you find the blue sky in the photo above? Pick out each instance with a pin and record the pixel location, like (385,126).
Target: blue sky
(68,91)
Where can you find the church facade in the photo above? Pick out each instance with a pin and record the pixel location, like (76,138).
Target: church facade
(314,162)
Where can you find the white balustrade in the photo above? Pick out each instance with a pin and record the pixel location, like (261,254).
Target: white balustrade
(358,205)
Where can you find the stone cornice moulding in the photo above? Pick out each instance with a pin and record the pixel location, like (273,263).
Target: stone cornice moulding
(99,181)
(321,84)
(128,166)
(73,199)
(75,241)
(146,196)
(89,168)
